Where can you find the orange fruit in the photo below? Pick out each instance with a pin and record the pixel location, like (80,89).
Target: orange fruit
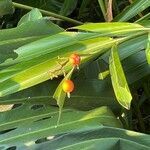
(68,86)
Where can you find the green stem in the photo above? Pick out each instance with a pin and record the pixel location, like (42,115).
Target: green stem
(48,13)
(103,8)
(144,17)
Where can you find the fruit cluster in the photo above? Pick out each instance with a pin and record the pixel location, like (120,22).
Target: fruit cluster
(68,85)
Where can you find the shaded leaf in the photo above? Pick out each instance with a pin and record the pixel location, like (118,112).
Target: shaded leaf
(106,138)
(6,7)
(68,7)
(138,67)
(33,15)
(132,10)
(89,94)
(30,123)
(103,8)
(11,39)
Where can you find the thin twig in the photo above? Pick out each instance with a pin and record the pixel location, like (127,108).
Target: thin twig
(109,11)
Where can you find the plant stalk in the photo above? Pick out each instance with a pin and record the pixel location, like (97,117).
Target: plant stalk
(48,13)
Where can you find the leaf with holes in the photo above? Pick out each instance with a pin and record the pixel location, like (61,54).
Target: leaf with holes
(89,94)
(28,123)
(105,138)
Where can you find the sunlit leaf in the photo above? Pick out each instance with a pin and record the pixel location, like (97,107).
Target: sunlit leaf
(112,29)
(45,66)
(118,78)
(148,49)
(103,75)
(60,95)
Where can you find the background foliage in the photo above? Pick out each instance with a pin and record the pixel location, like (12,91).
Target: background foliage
(115,48)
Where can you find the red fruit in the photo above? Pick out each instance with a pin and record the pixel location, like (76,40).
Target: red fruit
(75,59)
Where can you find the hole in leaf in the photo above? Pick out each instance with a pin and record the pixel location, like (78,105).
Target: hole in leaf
(12,148)
(16,106)
(43,119)
(35,107)
(41,140)
(6,131)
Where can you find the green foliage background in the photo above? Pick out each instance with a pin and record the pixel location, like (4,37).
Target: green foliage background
(36,40)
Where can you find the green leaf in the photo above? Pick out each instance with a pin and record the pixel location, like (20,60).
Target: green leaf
(45,45)
(6,7)
(11,39)
(112,29)
(33,122)
(60,95)
(83,7)
(33,15)
(138,67)
(143,18)
(45,66)
(103,8)
(37,27)
(103,75)
(132,10)
(148,49)
(106,138)
(118,79)
(89,94)
(68,7)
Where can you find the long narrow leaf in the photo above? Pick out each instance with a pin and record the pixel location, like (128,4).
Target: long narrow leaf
(148,49)
(26,74)
(112,29)
(119,82)
(132,10)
